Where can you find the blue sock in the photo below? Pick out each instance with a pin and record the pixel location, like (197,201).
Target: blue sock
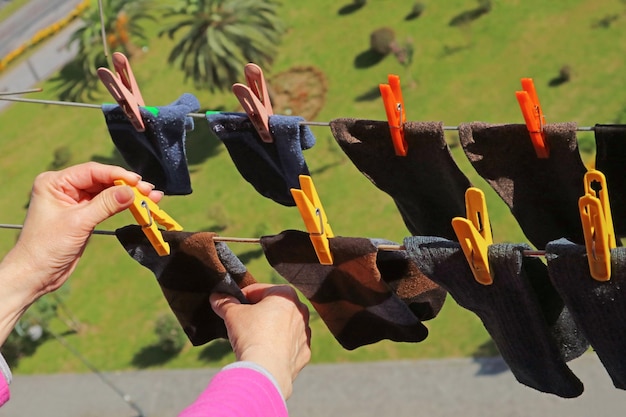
(157,154)
(271,168)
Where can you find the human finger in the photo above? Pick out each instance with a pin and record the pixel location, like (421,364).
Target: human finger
(220,303)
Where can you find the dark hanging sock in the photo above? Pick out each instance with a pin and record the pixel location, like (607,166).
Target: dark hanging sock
(158,154)
(271,168)
(426,184)
(196,267)
(611,160)
(542,193)
(599,307)
(351,297)
(533,331)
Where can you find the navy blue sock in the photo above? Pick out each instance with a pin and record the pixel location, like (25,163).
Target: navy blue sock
(599,307)
(525,317)
(272,168)
(196,267)
(158,154)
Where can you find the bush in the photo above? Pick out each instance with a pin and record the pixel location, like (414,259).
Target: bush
(171,337)
(382,40)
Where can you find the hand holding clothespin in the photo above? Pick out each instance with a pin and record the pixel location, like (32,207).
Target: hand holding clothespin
(396,114)
(474,234)
(148,214)
(255,100)
(314,217)
(597,223)
(533,116)
(124,89)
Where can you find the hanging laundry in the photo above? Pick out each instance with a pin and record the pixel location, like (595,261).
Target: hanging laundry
(272,168)
(158,154)
(541,193)
(196,267)
(351,296)
(423,296)
(599,307)
(524,315)
(426,184)
(611,160)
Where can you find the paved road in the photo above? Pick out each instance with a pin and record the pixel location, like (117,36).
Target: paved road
(429,388)
(31,18)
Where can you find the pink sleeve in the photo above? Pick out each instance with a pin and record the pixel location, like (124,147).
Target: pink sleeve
(238,392)
(5,394)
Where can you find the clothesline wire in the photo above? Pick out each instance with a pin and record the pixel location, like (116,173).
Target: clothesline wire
(255,240)
(194,115)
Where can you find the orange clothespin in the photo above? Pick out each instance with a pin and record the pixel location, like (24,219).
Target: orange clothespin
(315,220)
(597,222)
(147,213)
(123,87)
(474,234)
(255,100)
(533,116)
(396,114)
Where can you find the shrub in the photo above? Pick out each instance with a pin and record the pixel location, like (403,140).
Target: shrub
(382,40)
(171,337)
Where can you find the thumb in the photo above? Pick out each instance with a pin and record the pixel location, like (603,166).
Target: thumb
(109,202)
(220,303)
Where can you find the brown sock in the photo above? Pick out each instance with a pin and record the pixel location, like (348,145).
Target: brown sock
(196,267)
(350,296)
(426,184)
(541,193)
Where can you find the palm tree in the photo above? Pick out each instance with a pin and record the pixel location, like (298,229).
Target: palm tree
(221,37)
(123,29)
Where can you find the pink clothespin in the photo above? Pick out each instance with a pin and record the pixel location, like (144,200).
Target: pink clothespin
(123,87)
(255,100)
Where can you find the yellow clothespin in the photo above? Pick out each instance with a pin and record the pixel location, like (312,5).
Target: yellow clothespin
(474,234)
(597,222)
(315,220)
(147,213)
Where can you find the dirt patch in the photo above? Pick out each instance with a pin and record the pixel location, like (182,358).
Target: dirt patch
(299,91)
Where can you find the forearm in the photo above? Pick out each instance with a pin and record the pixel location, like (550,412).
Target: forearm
(14,297)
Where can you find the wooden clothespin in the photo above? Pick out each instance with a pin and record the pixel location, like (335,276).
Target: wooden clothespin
(474,234)
(396,114)
(597,223)
(533,116)
(123,87)
(255,100)
(147,214)
(314,216)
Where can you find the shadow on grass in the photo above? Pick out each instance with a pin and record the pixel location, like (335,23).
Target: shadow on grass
(489,359)
(350,8)
(152,355)
(557,81)
(215,350)
(451,50)
(248,256)
(372,94)
(468,16)
(72,84)
(367,59)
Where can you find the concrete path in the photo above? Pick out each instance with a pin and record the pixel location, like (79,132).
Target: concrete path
(429,388)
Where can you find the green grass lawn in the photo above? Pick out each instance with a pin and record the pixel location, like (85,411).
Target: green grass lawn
(459,74)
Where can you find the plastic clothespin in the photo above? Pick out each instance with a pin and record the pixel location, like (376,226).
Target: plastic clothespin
(533,116)
(315,220)
(255,100)
(396,114)
(123,87)
(147,214)
(597,222)
(474,234)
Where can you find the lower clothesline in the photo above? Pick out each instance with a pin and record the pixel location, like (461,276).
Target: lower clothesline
(227,239)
